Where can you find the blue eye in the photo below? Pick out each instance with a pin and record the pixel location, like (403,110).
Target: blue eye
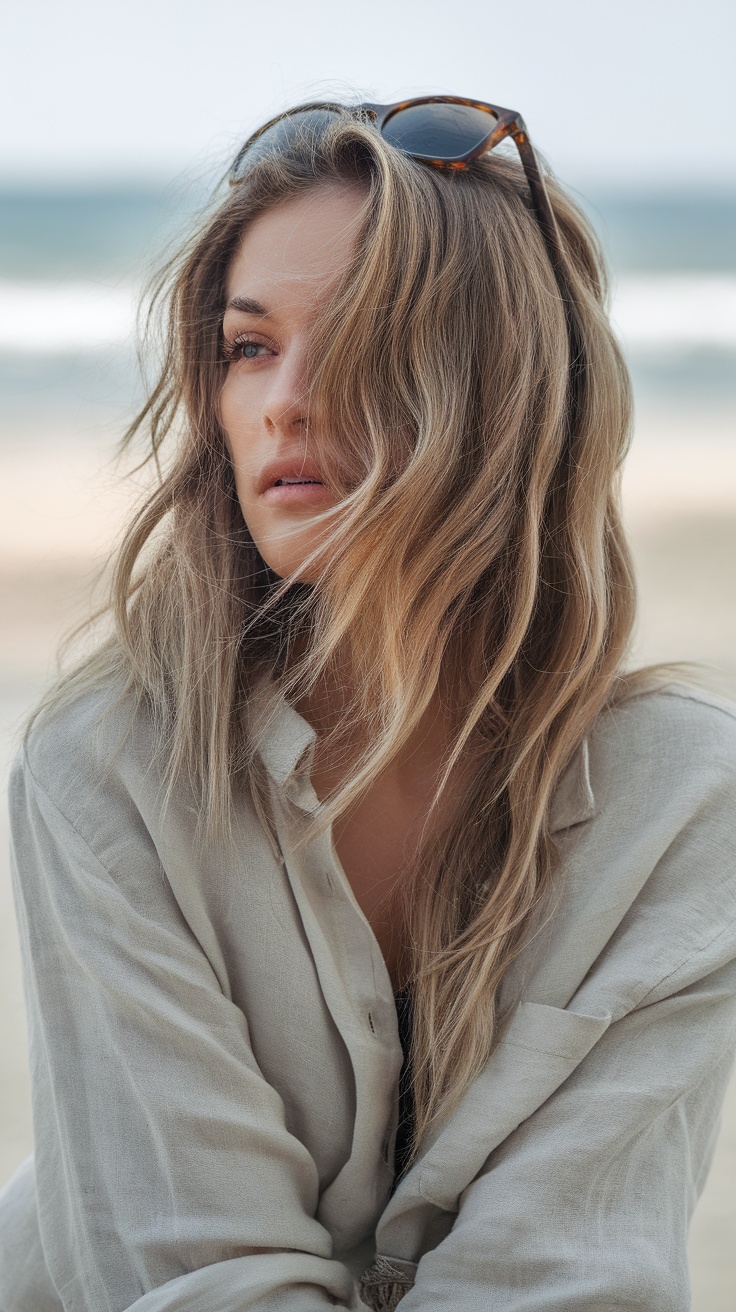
(245,348)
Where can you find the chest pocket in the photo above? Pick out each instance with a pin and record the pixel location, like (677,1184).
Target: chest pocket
(539,1050)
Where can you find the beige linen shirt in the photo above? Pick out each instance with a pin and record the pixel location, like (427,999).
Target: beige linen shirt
(215,1055)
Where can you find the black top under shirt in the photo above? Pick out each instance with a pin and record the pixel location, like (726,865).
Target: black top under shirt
(405,1131)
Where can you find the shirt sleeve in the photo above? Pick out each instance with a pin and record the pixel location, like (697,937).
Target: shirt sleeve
(586,1206)
(166,1178)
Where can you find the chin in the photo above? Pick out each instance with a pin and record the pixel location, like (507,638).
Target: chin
(289,556)
(283,566)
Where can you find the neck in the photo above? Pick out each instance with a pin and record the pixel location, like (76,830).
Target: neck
(421,757)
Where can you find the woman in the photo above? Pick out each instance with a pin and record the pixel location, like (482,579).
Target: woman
(358,765)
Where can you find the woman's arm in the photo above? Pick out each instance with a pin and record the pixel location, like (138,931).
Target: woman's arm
(586,1206)
(166,1177)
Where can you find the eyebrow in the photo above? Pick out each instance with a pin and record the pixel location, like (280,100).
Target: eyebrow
(246,305)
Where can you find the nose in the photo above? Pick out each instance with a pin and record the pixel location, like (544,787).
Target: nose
(286,403)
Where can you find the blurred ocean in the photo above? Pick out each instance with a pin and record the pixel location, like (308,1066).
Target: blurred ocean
(72,265)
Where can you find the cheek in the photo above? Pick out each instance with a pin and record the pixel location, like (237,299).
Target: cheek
(237,419)
(228,409)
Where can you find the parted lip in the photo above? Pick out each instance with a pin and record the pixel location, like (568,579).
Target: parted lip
(297,466)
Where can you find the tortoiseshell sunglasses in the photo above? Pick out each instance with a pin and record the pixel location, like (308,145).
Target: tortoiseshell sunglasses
(447,132)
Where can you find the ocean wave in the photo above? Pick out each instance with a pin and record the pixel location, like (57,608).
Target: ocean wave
(671,314)
(65,318)
(662,315)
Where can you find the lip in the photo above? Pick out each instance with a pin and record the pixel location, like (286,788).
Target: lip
(297,494)
(291,467)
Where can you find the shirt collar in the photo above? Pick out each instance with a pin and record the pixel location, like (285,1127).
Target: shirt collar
(286,741)
(282,737)
(573,800)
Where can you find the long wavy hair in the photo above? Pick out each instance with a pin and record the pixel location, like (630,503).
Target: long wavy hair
(483,414)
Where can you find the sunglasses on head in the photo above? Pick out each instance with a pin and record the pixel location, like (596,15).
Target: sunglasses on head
(446,132)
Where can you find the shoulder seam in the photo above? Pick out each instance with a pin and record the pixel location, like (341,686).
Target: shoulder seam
(680,693)
(38,786)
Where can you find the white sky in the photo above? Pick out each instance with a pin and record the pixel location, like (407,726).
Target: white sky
(637,91)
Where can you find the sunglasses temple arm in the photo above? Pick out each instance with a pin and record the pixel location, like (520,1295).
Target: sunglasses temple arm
(540,199)
(553,242)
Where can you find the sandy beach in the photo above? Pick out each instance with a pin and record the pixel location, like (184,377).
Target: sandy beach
(61,506)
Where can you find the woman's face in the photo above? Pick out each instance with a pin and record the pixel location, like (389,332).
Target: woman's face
(282,275)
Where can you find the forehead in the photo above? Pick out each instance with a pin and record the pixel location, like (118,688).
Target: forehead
(298,248)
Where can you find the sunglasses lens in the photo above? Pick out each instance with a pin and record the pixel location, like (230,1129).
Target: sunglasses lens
(438,132)
(280,136)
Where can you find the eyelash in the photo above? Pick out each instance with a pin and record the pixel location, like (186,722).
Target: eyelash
(230,349)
